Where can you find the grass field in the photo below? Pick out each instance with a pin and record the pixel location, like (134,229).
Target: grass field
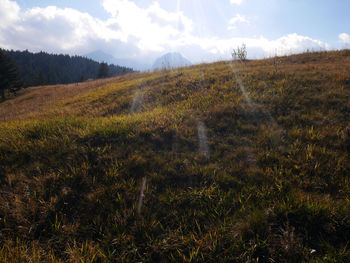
(222,162)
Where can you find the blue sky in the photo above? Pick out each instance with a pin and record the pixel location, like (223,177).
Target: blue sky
(202,30)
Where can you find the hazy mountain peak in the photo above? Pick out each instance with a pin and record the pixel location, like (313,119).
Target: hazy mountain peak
(171,60)
(100,56)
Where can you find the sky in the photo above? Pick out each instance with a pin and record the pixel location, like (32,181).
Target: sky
(202,30)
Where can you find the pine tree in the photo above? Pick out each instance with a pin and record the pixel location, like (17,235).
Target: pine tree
(9,78)
(103,71)
(40,79)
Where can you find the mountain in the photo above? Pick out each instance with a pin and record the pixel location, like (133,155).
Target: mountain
(171,60)
(133,63)
(100,56)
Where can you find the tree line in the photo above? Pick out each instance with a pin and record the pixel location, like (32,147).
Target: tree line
(9,78)
(24,69)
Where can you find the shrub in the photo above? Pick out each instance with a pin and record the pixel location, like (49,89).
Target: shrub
(240,53)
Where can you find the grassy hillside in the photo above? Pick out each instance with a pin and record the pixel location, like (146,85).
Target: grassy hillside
(212,163)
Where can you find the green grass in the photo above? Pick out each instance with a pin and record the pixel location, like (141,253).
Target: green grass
(257,172)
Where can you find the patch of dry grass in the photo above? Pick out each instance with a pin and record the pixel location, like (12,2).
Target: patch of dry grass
(43,98)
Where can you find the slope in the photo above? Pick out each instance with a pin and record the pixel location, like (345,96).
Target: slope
(218,162)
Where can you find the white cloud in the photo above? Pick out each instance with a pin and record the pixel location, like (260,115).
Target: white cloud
(239,19)
(153,26)
(294,43)
(258,47)
(345,38)
(236,2)
(236,20)
(51,28)
(64,29)
(68,29)
(9,13)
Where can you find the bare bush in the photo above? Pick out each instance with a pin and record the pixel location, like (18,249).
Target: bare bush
(240,53)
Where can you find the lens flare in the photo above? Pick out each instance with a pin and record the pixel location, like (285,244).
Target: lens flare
(137,102)
(203,139)
(142,195)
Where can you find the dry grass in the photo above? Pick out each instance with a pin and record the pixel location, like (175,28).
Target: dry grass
(243,164)
(42,98)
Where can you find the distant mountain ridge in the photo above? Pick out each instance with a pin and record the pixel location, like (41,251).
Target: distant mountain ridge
(170,61)
(101,56)
(167,61)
